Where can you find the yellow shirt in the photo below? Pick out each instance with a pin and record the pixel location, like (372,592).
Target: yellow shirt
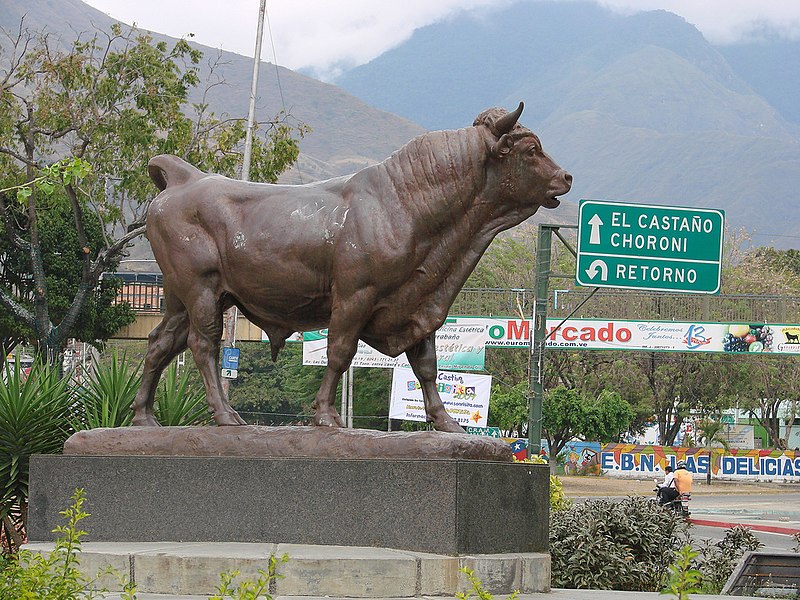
(683,481)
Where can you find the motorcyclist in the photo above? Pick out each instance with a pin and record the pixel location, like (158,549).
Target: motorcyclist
(683,479)
(666,490)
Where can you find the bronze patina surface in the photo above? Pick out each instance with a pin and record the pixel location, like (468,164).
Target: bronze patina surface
(254,441)
(377,256)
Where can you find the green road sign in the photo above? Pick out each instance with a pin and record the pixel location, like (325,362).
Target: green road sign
(649,247)
(488,431)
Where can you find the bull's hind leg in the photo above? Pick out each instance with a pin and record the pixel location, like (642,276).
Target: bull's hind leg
(422,357)
(205,331)
(164,343)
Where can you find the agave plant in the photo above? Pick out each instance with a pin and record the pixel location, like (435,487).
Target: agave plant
(105,400)
(34,419)
(178,402)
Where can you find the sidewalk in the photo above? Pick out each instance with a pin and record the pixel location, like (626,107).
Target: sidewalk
(553,595)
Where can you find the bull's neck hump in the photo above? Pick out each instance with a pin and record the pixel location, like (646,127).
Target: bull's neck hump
(439,176)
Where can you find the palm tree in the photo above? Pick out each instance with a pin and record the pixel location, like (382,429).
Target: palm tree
(710,431)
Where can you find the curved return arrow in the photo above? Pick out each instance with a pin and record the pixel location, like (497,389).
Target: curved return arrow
(598,265)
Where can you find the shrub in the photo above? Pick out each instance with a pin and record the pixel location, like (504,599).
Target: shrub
(683,578)
(178,402)
(230,587)
(34,414)
(55,576)
(477,588)
(625,545)
(717,560)
(105,400)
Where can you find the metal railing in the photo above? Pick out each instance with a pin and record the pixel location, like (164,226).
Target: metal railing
(148,298)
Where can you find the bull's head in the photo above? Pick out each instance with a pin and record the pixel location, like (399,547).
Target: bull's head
(527,174)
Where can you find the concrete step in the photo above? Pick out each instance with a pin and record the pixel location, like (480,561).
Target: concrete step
(179,569)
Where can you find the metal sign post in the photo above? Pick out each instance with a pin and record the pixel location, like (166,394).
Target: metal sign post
(539,333)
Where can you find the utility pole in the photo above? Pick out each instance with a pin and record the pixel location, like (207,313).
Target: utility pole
(539,333)
(539,325)
(232,314)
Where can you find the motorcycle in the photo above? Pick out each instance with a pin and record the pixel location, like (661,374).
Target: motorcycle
(677,502)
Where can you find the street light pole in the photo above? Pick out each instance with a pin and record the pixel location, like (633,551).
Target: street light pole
(232,314)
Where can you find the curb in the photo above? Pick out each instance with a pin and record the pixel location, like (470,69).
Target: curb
(754,527)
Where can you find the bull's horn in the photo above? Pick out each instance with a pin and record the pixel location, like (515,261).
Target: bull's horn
(506,123)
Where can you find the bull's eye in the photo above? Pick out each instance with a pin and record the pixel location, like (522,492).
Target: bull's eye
(532,151)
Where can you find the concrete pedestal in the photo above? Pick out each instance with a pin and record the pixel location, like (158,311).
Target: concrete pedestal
(450,507)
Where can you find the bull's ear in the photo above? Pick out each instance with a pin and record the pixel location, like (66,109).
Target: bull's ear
(502,146)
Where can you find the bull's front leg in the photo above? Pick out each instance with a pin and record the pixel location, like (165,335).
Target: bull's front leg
(340,354)
(343,336)
(422,357)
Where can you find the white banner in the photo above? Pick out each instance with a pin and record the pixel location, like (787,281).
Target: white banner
(465,397)
(459,347)
(670,336)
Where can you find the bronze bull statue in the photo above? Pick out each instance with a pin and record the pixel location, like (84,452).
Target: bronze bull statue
(378,255)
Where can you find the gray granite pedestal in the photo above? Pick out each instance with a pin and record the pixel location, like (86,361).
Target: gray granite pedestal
(442,506)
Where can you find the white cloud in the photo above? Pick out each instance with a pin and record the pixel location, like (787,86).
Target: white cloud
(725,21)
(323,35)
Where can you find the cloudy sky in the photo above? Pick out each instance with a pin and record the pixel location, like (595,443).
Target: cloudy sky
(323,34)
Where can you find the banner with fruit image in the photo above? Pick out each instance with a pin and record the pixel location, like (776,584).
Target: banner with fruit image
(666,336)
(671,336)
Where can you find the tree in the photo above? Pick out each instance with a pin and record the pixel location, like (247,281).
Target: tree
(508,409)
(77,127)
(711,431)
(567,414)
(768,387)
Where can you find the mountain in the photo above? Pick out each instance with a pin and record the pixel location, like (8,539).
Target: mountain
(771,65)
(639,108)
(346,135)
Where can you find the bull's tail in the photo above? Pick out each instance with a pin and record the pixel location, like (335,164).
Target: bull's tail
(168,170)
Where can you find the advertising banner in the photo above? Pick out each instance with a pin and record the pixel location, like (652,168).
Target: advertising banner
(459,347)
(465,397)
(665,336)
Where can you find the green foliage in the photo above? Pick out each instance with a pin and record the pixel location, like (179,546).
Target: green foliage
(229,587)
(110,100)
(273,393)
(626,545)
(178,402)
(717,560)
(105,399)
(567,414)
(477,589)
(55,576)
(34,419)
(683,579)
(508,408)
(282,392)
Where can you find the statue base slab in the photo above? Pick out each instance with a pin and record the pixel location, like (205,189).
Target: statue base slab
(289,442)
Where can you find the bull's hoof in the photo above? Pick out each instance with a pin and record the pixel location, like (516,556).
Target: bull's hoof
(228,417)
(448,425)
(146,420)
(327,420)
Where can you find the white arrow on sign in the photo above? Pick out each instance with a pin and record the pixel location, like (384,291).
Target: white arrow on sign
(598,265)
(594,234)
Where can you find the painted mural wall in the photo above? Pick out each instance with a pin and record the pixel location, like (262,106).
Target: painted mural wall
(645,461)
(640,461)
